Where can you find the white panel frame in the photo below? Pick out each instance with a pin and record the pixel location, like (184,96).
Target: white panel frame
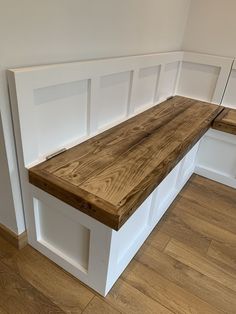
(224,65)
(161,86)
(24,81)
(133,92)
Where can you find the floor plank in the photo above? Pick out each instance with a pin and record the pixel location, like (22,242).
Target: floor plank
(6,250)
(209,215)
(189,279)
(187,265)
(2,311)
(164,291)
(18,296)
(98,306)
(211,195)
(189,257)
(63,289)
(206,229)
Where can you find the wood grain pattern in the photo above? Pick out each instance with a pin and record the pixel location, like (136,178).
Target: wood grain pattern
(213,217)
(6,250)
(189,279)
(177,227)
(169,274)
(110,175)
(226,121)
(209,230)
(34,268)
(18,296)
(2,311)
(224,253)
(158,239)
(130,300)
(203,192)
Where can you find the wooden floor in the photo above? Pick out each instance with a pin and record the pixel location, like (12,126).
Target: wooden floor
(187,265)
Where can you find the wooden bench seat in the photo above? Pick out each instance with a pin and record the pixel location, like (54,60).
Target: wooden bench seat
(226,121)
(110,175)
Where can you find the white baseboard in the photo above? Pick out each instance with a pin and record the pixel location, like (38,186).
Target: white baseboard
(216,176)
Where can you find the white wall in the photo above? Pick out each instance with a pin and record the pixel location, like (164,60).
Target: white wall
(39,32)
(211,27)
(6,201)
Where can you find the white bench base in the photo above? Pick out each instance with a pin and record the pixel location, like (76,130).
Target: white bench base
(216,158)
(97,254)
(89,250)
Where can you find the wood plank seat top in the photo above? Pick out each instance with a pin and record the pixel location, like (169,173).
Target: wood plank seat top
(109,176)
(226,121)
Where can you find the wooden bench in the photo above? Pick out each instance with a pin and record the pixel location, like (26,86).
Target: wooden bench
(217,151)
(109,176)
(90,208)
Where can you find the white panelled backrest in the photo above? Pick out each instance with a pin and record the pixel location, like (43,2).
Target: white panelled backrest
(204,77)
(229,99)
(57,106)
(169,78)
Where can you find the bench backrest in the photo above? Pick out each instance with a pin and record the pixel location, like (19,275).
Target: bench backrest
(57,106)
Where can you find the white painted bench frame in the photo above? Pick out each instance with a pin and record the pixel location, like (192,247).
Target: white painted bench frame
(104,253)
(222,64)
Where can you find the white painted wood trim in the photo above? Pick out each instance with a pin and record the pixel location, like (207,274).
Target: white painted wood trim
(215,175)
(223,63)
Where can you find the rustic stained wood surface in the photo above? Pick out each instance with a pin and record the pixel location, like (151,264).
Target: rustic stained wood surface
(226,121)
(186,266)
(110,175)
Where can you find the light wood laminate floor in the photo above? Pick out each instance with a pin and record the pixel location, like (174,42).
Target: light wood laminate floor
(187,265)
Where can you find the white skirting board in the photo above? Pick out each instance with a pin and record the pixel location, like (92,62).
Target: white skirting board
(89,250)
(216,158)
